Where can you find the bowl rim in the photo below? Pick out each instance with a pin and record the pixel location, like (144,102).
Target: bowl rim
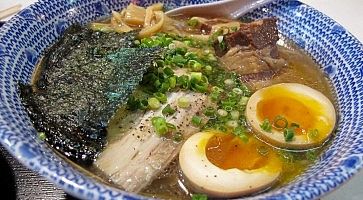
(123,194)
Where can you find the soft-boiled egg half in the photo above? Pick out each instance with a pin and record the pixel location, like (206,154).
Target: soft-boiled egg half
(222,165)
(291,115)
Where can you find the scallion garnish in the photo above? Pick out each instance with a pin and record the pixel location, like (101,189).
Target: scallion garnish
(289,134)
(243,101)
(266,126)
(235,114)
(209,112)
(313,134)
(222,113)
(160,125)
(167,110)
(294,125)
(311,155)
(178,137)
(42,136)
(193,22)
(229,82)
(154,103)
(196,120)
(183,82)
(232,124)
(280,122)
(183,102)
(199,197)
(168,71)
(262,150)
(241,133)
(161,97)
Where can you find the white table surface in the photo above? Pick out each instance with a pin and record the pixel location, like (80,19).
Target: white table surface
(348,13)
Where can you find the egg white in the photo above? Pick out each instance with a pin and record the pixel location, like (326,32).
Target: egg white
(299,141)
(204,177)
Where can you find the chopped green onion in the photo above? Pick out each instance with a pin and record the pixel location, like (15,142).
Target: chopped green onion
(287,156)
(280,122)
(42,136)
(199,197)
(266,126)
(311,155)
(183,82)
(178,137)
(195,65)
(229,82)
(133,103)
(172,81)
(262,150)
(160,125)
(209,112)
(168,110)
(215,94)
(198,82)
(196,76)
(235,114)
(196,120)
(161,97)
(157,83)
(143,104)
(178,60)
(165,86)
(237,91)
(171,126)
(222,112)
(232,124)
(183,102)
(208,69)
(241,133)
(168,71)
(289,134)
(294,125)
(313,134)
(243,101)
(154,103)
(193,22)
(228,104)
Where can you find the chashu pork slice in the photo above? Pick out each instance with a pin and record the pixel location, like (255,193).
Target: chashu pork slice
(136,159)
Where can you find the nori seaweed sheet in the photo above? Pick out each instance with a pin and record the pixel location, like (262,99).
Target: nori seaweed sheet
(84,79)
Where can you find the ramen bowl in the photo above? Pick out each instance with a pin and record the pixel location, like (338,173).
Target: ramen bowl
(25,37)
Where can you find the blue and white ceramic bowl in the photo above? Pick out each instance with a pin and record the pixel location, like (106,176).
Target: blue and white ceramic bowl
(24,38)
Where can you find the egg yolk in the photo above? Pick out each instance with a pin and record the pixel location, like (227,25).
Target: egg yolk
(291,109)
(227,151)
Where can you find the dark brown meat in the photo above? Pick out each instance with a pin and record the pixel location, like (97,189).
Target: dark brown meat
(256,35)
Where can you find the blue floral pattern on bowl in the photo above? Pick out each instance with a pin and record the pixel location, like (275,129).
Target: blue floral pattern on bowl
(340,55)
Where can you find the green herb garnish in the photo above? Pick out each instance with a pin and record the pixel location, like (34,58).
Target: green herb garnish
(168,110)
(313,134)
(183,102)
(154,103)
(196,120)
(199,197)
(241,133)
(161,126)
(193,22)
(266,125)
(178,137)
(289,134)
(41,136)
(280,122)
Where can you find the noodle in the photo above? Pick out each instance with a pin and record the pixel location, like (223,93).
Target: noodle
(149,31)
